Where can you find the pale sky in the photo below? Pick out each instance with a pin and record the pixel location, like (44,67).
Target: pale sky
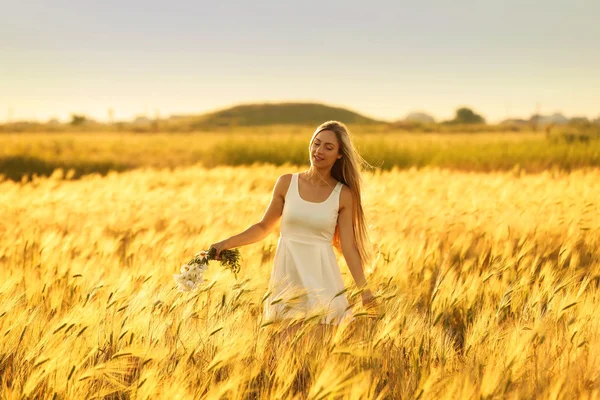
(383,59)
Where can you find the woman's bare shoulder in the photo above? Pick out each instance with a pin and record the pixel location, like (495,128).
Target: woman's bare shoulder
(285,179)
(345,196)
(283,183)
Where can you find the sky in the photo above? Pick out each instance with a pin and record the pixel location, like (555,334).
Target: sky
(382,59)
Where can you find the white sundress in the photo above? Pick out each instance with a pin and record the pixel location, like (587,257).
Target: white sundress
(306,277)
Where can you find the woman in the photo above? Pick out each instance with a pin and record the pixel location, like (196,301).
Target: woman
(320,208)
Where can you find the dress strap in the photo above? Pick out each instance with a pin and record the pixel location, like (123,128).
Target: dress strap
(293,188)
(338,187)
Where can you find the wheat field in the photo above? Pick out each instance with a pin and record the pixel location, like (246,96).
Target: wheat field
(25,155)
(488,286)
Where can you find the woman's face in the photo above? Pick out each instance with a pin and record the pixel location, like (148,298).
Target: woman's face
(325,149)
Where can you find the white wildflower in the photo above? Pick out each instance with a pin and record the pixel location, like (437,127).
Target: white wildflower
(191,274)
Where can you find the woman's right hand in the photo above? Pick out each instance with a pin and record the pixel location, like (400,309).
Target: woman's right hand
(219,246)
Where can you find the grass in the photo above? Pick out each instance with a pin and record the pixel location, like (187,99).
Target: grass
(488,287)
(27,154)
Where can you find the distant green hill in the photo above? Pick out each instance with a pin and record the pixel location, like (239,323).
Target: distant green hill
(277,113)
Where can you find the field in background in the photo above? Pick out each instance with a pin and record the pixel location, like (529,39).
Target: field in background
(489,284)
(84,153)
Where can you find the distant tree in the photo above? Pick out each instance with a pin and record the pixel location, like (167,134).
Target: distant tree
(78,119)
(579,121)
(535,121)
(420,117)
(465,115)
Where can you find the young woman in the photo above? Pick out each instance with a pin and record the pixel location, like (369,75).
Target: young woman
(319,208)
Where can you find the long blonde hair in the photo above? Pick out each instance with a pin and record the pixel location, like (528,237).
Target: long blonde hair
(347,170)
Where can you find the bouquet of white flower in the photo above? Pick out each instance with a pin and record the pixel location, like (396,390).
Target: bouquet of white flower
(190,276)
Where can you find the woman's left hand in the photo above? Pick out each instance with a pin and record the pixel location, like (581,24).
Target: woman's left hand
(368,299)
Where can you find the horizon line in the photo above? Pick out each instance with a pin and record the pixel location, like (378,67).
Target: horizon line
(9,120)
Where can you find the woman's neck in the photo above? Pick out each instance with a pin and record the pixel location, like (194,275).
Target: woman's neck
(319,177)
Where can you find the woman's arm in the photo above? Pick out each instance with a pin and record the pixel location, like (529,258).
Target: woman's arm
(349,249)
(261,229)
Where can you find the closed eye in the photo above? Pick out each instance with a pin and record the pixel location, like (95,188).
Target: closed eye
(318,143)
